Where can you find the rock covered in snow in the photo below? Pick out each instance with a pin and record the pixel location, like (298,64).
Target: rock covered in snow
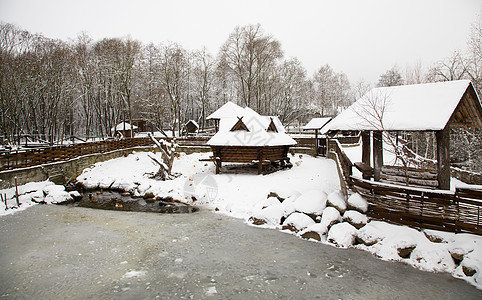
(56,194)
(355,218)
(270,201)
(271,215)
(52,189)
(75,195)
(370,234)
(315,231)
(392,241)
(297,222)
(432,257)
(460,249)
(342,234)
(311,202)
(330,217)
(358,203)
(337,200)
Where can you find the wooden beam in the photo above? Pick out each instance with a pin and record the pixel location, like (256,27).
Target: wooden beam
(316,142)
(365,135)
(377,154)
(443,158)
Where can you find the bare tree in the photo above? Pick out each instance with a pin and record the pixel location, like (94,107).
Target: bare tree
(451,68)
(203,73)
(174,72)
(250,55)
(332,90)
(391,77)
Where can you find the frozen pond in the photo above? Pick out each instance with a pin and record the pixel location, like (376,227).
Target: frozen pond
(51,252)
(112,200)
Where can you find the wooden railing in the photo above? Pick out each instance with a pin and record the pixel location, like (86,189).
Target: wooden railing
(344,162)
(455,211)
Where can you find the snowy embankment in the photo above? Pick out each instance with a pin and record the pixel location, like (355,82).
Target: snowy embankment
(305,200)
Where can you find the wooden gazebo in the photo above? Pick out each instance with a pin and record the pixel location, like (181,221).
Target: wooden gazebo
(250,138)
(435,107)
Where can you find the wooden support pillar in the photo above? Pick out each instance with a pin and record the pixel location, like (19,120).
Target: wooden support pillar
(443,158)
(217,162)
(365,135)
(316,142)
(260,159)
(377,154)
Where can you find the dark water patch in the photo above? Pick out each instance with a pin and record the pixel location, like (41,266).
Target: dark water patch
(113,200)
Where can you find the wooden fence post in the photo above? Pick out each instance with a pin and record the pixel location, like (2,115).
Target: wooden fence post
(16,192)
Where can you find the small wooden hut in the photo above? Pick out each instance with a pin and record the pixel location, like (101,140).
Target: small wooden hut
(317,124)
(435,107)
(123,129)
(250,138)
(191,126)
(228,110)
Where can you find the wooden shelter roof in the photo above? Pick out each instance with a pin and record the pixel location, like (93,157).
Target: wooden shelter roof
(251,129)
(317,123)
(420,107)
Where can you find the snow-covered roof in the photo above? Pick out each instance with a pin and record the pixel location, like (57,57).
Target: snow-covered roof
(193,122)
(228,110)
(316,123)
(411,107)
(120,127)
(257,134)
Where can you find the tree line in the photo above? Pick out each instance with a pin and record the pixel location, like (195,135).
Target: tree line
(82,87)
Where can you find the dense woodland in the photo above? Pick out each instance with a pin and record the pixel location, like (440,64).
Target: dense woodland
(82,87)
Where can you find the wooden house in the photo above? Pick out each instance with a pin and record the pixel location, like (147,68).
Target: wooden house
(123,129)
(250,138)
(435,107)
(191,126)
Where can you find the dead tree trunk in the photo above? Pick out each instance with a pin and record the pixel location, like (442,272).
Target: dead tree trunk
(168,154)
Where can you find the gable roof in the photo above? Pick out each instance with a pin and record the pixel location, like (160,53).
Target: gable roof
(417,107)
(193,122)
(257,133)
(239,125)
(317,123)
(121,127)
(228,110)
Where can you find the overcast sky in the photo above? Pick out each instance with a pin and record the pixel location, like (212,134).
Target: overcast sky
(360,38)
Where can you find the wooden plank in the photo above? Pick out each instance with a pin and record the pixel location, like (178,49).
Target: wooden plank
(411,172)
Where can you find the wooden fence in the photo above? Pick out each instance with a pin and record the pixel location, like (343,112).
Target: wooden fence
(61,153)
(38,157)
(455,211)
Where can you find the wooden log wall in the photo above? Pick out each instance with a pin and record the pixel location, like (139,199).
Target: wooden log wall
(248,154)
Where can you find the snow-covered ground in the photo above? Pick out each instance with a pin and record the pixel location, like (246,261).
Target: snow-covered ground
(305,200)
